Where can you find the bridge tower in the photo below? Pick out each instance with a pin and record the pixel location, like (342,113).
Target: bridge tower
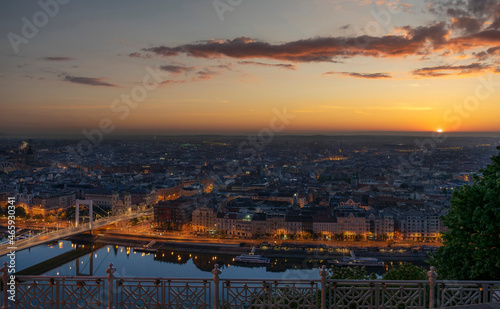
(77,212)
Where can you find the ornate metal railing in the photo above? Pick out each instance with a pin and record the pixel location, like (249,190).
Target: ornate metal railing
(465,292)
(163,293)
(110,292)
(270,294)
(377,294)
(58,292)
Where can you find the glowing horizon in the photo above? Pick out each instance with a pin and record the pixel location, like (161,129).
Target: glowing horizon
(419,68)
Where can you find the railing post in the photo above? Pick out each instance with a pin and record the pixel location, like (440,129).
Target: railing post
(57,285)
(432,281)
(4,271)
(269,288)
(110,271)
(216,272)
(323,273)
(485,288)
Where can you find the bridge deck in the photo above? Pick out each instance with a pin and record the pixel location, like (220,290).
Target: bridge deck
(63,233)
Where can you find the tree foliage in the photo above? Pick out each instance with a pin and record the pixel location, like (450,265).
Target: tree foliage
(405,271)
(20,212)
(352,273)
(471,248)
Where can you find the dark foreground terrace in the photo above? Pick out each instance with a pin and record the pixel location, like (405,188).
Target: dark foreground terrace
(217,292)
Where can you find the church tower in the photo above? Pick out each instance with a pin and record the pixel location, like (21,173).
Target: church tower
(115,198)
(128,200)
(355,180)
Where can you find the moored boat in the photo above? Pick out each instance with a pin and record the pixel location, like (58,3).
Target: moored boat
(251,258)
(357,261)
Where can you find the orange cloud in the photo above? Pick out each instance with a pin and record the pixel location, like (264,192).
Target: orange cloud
(444,70)
(362,75)
(323,49)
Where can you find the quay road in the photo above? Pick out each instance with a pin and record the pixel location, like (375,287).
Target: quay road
(6,247)
(203,245)
(143,231)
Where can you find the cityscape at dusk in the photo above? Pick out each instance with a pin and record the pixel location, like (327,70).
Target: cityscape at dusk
(250,154)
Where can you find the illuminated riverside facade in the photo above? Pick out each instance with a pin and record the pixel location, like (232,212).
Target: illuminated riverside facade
(420,227)
(173,215)
(246,224)
(51,201)
(348,221)
(203,220)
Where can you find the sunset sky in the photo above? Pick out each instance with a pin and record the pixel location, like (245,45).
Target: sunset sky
(333,65)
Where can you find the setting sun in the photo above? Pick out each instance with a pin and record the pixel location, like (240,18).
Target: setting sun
(439,130)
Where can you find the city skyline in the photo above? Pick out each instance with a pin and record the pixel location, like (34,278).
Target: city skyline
(228,67)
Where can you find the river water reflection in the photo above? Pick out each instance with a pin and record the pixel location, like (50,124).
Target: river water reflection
(173,264)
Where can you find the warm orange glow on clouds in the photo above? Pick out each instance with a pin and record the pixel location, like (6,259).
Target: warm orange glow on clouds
(173,68)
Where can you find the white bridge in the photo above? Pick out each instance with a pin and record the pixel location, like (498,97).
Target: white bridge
(79,228)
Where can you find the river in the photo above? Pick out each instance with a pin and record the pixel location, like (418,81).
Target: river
(173,264)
